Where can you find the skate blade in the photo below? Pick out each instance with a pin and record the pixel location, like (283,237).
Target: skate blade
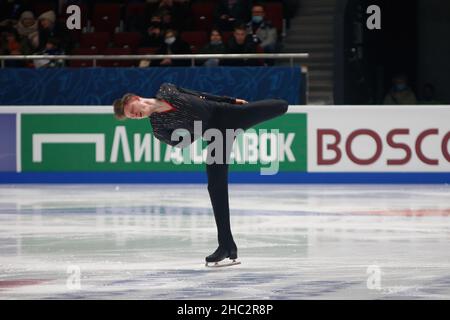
(221,264)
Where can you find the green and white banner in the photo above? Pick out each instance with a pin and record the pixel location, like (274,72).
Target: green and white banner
(309,144)
(98,142)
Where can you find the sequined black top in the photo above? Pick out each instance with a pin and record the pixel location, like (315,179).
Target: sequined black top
(190,106)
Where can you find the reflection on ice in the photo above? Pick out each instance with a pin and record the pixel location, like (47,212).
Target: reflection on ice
(295,242)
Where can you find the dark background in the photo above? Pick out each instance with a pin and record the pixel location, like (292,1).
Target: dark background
(414,39)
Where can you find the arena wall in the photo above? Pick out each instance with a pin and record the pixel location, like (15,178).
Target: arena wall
(309,144)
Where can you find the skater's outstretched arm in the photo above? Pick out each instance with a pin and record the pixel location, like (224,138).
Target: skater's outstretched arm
(210,96)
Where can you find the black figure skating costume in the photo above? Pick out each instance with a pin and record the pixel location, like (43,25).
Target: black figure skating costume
(218,112)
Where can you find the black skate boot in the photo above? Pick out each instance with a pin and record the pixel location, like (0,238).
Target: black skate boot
(220,254)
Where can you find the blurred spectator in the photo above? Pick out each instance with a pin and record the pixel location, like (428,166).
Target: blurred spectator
(10,41)
(428,95)
(400,92)
(230,13)
(153,37)
(262,30)
(241,42)
(27,27)
(215,46)
(10,45)
(51,48)
(48,28)
(167,21)
(27,24)
(174,14)
(156,20)
(172,45)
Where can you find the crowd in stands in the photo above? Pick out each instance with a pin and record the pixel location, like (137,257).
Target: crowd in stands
(401,93)
(141,27)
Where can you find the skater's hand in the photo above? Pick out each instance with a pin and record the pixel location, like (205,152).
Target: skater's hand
(240,101)
(166,61)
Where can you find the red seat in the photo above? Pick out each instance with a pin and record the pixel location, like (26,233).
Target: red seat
(135,10)
(203,15)
(226,35)
(136,15)
(106,17)
(127,40)
(97,40)
(82,63)
(116,63)
(196,39)
(147,50)
(274,13)
(259,49)
(75,35)
(82,51)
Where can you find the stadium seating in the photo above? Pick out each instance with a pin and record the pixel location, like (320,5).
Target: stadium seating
(99,40)
(147,50)
(127,40)
(274,13)
(116,63)
(226,36)
(197,39)
(135,10)
(82,63)
(40,7)
(202,13)
(106,17)
(118,25)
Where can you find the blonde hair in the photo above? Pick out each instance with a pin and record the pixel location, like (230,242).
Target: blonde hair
(119,106)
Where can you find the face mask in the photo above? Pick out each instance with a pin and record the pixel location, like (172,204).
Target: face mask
(257,19)
(216,43)
(169,40)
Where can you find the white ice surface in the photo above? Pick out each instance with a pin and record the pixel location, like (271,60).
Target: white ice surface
(295,242)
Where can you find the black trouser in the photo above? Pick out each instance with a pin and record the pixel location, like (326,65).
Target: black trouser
(231,116)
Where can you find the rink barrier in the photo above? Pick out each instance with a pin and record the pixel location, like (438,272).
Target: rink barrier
(322,144)
(101,86)
(192,57)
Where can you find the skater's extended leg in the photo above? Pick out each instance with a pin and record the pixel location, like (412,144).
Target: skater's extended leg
(250,114)
(218,192)
(217,174)
(233,117)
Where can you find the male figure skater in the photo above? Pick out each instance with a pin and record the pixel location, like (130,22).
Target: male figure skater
(174,107)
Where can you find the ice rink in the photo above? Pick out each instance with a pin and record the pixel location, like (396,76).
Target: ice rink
(295,242)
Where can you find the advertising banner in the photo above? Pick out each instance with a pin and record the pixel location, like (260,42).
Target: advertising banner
(98,142)
(382,139)
(8,142)
(309,144)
